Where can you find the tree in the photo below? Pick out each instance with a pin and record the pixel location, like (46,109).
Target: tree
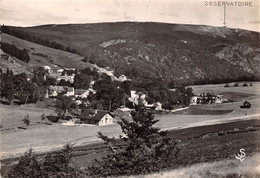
(81,80)
(24,89)
(227,85)
(7,87)
(26,120)
(52,165)
(28,166)
(171,84)
(43,117)
(64,105)
(108,93)
(64,83)
(147,150)
(50,81)
(38,76)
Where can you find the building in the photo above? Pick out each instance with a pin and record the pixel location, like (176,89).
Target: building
(96,117)
(59,72)
(194,100)
(123,78)
(55,90)
(220,99)
(81,93)
(208,99)
(47,68)
(134,96)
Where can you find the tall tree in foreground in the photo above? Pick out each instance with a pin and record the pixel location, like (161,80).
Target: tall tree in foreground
(148,149)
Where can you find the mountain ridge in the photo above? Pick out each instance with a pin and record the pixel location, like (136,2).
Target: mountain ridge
(184,53)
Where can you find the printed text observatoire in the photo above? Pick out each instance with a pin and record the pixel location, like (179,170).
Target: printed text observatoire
(229,3)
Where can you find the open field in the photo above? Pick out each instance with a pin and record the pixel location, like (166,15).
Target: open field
(198,144)
(11,116)
(41,55)
(17,67)
(50,137)
(233,93)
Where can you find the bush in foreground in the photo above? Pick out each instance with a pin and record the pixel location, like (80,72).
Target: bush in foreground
(52,165)
(148,149)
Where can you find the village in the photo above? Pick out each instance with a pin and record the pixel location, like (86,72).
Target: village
(84,113)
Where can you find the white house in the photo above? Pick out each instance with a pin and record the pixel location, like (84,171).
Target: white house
(158,106)
(96,117)
(194,100)
(59,72)
(216,99)
(55,90)
(134,96)
(47,68)
(123,78)
(220,99)
(81,93)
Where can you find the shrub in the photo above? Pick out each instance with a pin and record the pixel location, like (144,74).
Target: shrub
(26,120)
(236,85)
(52,165)
(245,85)
(43,117)
(227,85)
(53,118)
(28,166)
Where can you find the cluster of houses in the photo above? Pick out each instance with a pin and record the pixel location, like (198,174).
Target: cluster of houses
(101,117)
(208,99)
(96,117)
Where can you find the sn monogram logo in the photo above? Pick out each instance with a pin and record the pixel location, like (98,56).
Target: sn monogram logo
(241,155)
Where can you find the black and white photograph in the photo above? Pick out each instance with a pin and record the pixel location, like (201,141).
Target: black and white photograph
(130,88)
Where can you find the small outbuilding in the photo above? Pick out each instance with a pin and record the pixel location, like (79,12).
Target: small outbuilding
(96,117)
(246,104)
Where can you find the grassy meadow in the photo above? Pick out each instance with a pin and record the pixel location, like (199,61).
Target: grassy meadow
(249,168)
(42,55)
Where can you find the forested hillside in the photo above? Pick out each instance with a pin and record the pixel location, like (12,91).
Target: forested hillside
(190,54)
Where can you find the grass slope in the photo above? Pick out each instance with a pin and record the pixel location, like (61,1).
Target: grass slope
(41,55)
(250,167)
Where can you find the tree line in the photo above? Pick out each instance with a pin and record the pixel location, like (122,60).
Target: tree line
(18,87)
(16,52)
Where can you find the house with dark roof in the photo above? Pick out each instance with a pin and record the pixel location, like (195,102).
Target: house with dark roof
(96,117)
(81,93)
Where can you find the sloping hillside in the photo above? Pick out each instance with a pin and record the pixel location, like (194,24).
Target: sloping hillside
(183,53)
(41,55)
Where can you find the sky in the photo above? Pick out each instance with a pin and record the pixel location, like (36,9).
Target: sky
(200,12)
